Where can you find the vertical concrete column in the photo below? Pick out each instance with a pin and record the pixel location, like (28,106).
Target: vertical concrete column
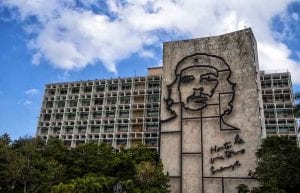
(191,156)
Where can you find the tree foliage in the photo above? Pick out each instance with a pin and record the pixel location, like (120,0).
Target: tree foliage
(29,165)
(278,168)
(90,184)
(243,188)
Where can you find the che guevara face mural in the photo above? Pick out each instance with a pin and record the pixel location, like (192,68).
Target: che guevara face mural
(201,80)
(197,84)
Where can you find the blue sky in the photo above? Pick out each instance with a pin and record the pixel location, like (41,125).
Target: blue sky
(44,41)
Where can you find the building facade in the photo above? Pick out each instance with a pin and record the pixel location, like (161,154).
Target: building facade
(120,112)
(298,131)
(278,104)
(205,110)
(212,118)
(206,116)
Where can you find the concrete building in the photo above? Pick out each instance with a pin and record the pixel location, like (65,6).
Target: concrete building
(298,131)
(212,118)
(120,112)
(205,116)
(77,112)
(278,100)
(102,110)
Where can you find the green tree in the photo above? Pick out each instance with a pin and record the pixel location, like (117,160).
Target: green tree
(142,153)
(30,168)
(278,167)
(88,184)
(5,154)
(29,165)
(243,188)
(5,139)
(150,178)
(89,158)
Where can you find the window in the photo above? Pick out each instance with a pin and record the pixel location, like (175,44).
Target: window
(56,130)
(152,126)
(87,89)
(95,129)
(85,102)
(113,87)
(58,117)
(126,86)
(110,114)
(98,101)
(267,98)
(75,90)
(124,113)
(81,129)
(49,104)
(51,92)
(153,84)
(151,141)
(61,104)
(111,100)
(152,112)
(69,130)
(125,100)
(153,98)
(271,130)
(63,91)
(71,116)
(123,128)
(97,114)
(266,84)
(269,113)
(108,129)
(100,88)
(44,131)
(73,103)
(84,115)
(47,117)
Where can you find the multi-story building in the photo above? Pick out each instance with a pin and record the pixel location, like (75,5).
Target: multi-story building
(278,102)
(297,100)
(126,111)
(120,112)
(298,131)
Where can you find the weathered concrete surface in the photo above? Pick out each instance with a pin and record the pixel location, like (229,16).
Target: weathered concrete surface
(231,93)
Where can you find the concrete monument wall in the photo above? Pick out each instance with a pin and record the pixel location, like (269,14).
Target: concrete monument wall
(210,113)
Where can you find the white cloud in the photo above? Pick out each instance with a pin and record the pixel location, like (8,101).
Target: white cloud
(276,57)
(32,91)
(72,38)
(147,54)
(27,103)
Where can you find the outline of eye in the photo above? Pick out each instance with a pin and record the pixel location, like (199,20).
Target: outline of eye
(209,77)
(187,79)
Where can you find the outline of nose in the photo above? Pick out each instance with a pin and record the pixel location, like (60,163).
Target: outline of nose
(201,89)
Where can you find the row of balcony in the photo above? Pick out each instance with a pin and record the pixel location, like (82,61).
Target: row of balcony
(102,101)
(100,115)
(115,142)
(103,88)
(99,129)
